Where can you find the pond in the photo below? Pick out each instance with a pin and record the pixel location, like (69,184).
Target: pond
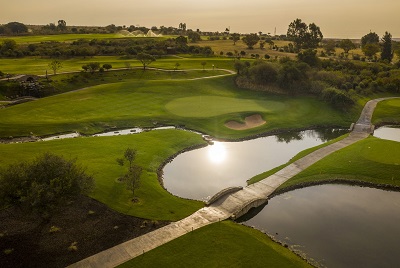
(336,225)
(388,133)
(201,173)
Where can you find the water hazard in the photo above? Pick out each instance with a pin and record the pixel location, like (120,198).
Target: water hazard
(388,133)
(201,173)
(336,225)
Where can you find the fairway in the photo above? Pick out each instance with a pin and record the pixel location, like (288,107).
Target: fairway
(199,106)
(387,111)
(146,103)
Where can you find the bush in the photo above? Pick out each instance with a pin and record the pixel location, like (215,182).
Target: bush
(264,73)
(337,97)
(44,183)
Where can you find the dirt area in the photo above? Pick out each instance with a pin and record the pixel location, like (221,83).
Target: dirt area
(252,121)
(78,230)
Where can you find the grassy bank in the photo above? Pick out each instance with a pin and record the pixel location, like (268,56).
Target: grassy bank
(223,244)
(204,105)
(387,112)
(371,160)
(99,155)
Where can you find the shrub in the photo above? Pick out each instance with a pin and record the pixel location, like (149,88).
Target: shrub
(336,97)
(44,183)
(264,73)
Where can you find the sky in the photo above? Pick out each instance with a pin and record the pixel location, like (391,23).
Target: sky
(337,19)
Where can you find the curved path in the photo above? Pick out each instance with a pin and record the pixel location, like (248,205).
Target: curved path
(229,206)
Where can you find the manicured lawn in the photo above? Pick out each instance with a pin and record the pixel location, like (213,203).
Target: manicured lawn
(99,155)
(372,160)
(223,244)
(144,103)
(387,111)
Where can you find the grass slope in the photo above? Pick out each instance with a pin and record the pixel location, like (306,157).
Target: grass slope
(387,112)
(99,155)
(142,103)
(371,160)
(223,244)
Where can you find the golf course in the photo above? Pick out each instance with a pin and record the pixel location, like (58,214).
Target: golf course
(173,97)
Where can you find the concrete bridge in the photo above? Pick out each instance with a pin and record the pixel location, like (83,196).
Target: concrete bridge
(229,204)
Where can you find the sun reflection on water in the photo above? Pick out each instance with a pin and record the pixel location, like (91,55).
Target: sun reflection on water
(217,153)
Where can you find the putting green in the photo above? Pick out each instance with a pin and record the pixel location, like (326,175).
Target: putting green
(205,106)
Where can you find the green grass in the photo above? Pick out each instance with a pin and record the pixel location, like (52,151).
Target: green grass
(387,112)
(142,103)
(67,37)
(38,66)
(223,244)
(371,160)
(99,155)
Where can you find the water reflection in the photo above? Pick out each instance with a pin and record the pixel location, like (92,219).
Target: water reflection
(388,133)
(201,173)
(217,153)
(337,225)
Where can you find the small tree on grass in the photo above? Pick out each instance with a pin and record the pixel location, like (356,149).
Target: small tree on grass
(145,59)
(55,65)
(250,40)
(203,63)
(132,177)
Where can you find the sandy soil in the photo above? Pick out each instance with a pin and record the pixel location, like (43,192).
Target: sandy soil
(252,121)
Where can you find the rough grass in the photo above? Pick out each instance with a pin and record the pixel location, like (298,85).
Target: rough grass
(99,155)
(223,244)
(143,103)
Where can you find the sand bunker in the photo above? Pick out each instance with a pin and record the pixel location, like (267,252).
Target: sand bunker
(251,121)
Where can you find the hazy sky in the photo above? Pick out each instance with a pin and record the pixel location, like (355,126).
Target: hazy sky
(340,18)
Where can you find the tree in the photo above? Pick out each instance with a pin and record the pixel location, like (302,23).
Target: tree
(304,36)
(194,37)
(62,25)
(16,27)
(387,52)
(347,45)
(130,155)
(330,47)
(251,40)
(132,177)
(370,50)
(107,66)
(55,65)
(203,63)
(145,59)
(264,73)
(370,38)
(43,184)
(309,56)
(93,66)
(8,44)
(235,38)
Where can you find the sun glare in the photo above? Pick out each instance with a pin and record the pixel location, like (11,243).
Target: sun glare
(217,153)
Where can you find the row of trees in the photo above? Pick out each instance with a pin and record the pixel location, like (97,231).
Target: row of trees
(96,47)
